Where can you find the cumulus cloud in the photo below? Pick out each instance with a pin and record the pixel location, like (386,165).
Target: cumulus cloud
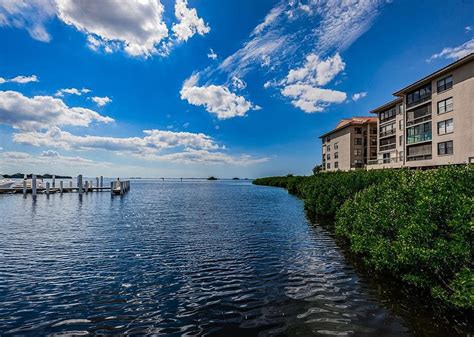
(468,29)
(312,99)
(40,112)
(137,26)
(101,101)
(216,99)
(189,23)
(20,79)
(238,84)
(358,96)
(185,147)
(47,158)
(72,91)
(30,15)
(212,55)
(316,71)
(455,52)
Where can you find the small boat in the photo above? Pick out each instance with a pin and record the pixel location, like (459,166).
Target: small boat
(6,183)
(29,183)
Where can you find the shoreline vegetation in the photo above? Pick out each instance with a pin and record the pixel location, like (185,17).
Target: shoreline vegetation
(417,226)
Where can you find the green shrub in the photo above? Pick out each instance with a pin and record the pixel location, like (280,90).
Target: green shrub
(417,225)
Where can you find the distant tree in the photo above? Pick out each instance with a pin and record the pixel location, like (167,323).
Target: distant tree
(317,169)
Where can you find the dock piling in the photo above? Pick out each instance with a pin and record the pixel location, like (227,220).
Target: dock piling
(54,181)
(47,188)
(79,183)
(33,185)
(112,187)
(24,188)
(101,181)
(61,187)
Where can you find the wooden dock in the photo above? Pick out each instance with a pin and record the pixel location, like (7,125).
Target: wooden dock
(117,187)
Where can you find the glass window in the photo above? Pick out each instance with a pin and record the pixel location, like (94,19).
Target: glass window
(336,155)
(445,105)
(419,95)
(400,140)
(328,165)
(357,131)
(336,146)
(445,127)
(445,83)
(336,165)
(445,148)
(329,156)
(358,141)
(358,152)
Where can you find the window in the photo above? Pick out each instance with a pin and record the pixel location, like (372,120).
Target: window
(358,141)
(328,148)
(328,165)
(336,146)
(373,152)
(445,148)
(358,152)
(336,165)
(445,106)
(357,131)
(445,83)
(419,133)
(373,131)
(388,114)
(336,155)
(419,115)
(445,127)
(420,95)
(400,140)
(328,156)
(373,141)
(419,152)
(386,157)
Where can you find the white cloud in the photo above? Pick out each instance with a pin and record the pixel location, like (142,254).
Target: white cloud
(217,99)
(468,29)
(40,112)
(312,99)
(455,52)
(72,91)
(238,84)
(20,79)
(188,22)
(185,147)
(317,71)
(28,14)
(50,153)
(211,54)
(101,101)
(136,26)
(47,158)
(153,141)
(358,96)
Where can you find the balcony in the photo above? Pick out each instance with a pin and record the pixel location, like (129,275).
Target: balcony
(387,133)
(424,137)
(419,157)
(419,120)
(383,161)
(387,147)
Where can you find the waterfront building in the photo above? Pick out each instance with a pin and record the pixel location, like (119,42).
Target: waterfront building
(430,123)
(350,145)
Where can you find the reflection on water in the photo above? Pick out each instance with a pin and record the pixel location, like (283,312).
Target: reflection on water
(191,258)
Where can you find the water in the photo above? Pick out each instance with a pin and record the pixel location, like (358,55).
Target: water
(220,258)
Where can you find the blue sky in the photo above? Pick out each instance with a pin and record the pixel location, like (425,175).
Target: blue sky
(195,88)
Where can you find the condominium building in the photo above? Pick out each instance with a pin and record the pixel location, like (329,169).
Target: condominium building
(431,123)
(350,145)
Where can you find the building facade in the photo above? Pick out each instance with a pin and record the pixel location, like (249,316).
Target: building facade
(432,121)
(351,145)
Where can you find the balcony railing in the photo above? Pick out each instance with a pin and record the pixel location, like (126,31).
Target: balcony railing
(387,147)
(419,157)
(382,161)
(387,133)
(419,120)
(419,101)
(419,138)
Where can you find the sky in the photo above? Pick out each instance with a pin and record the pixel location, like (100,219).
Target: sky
(194,88)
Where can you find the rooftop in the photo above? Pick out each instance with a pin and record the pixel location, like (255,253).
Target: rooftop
(345,122)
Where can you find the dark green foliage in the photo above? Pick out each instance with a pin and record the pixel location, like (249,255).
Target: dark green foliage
(416,225)
(419,226)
